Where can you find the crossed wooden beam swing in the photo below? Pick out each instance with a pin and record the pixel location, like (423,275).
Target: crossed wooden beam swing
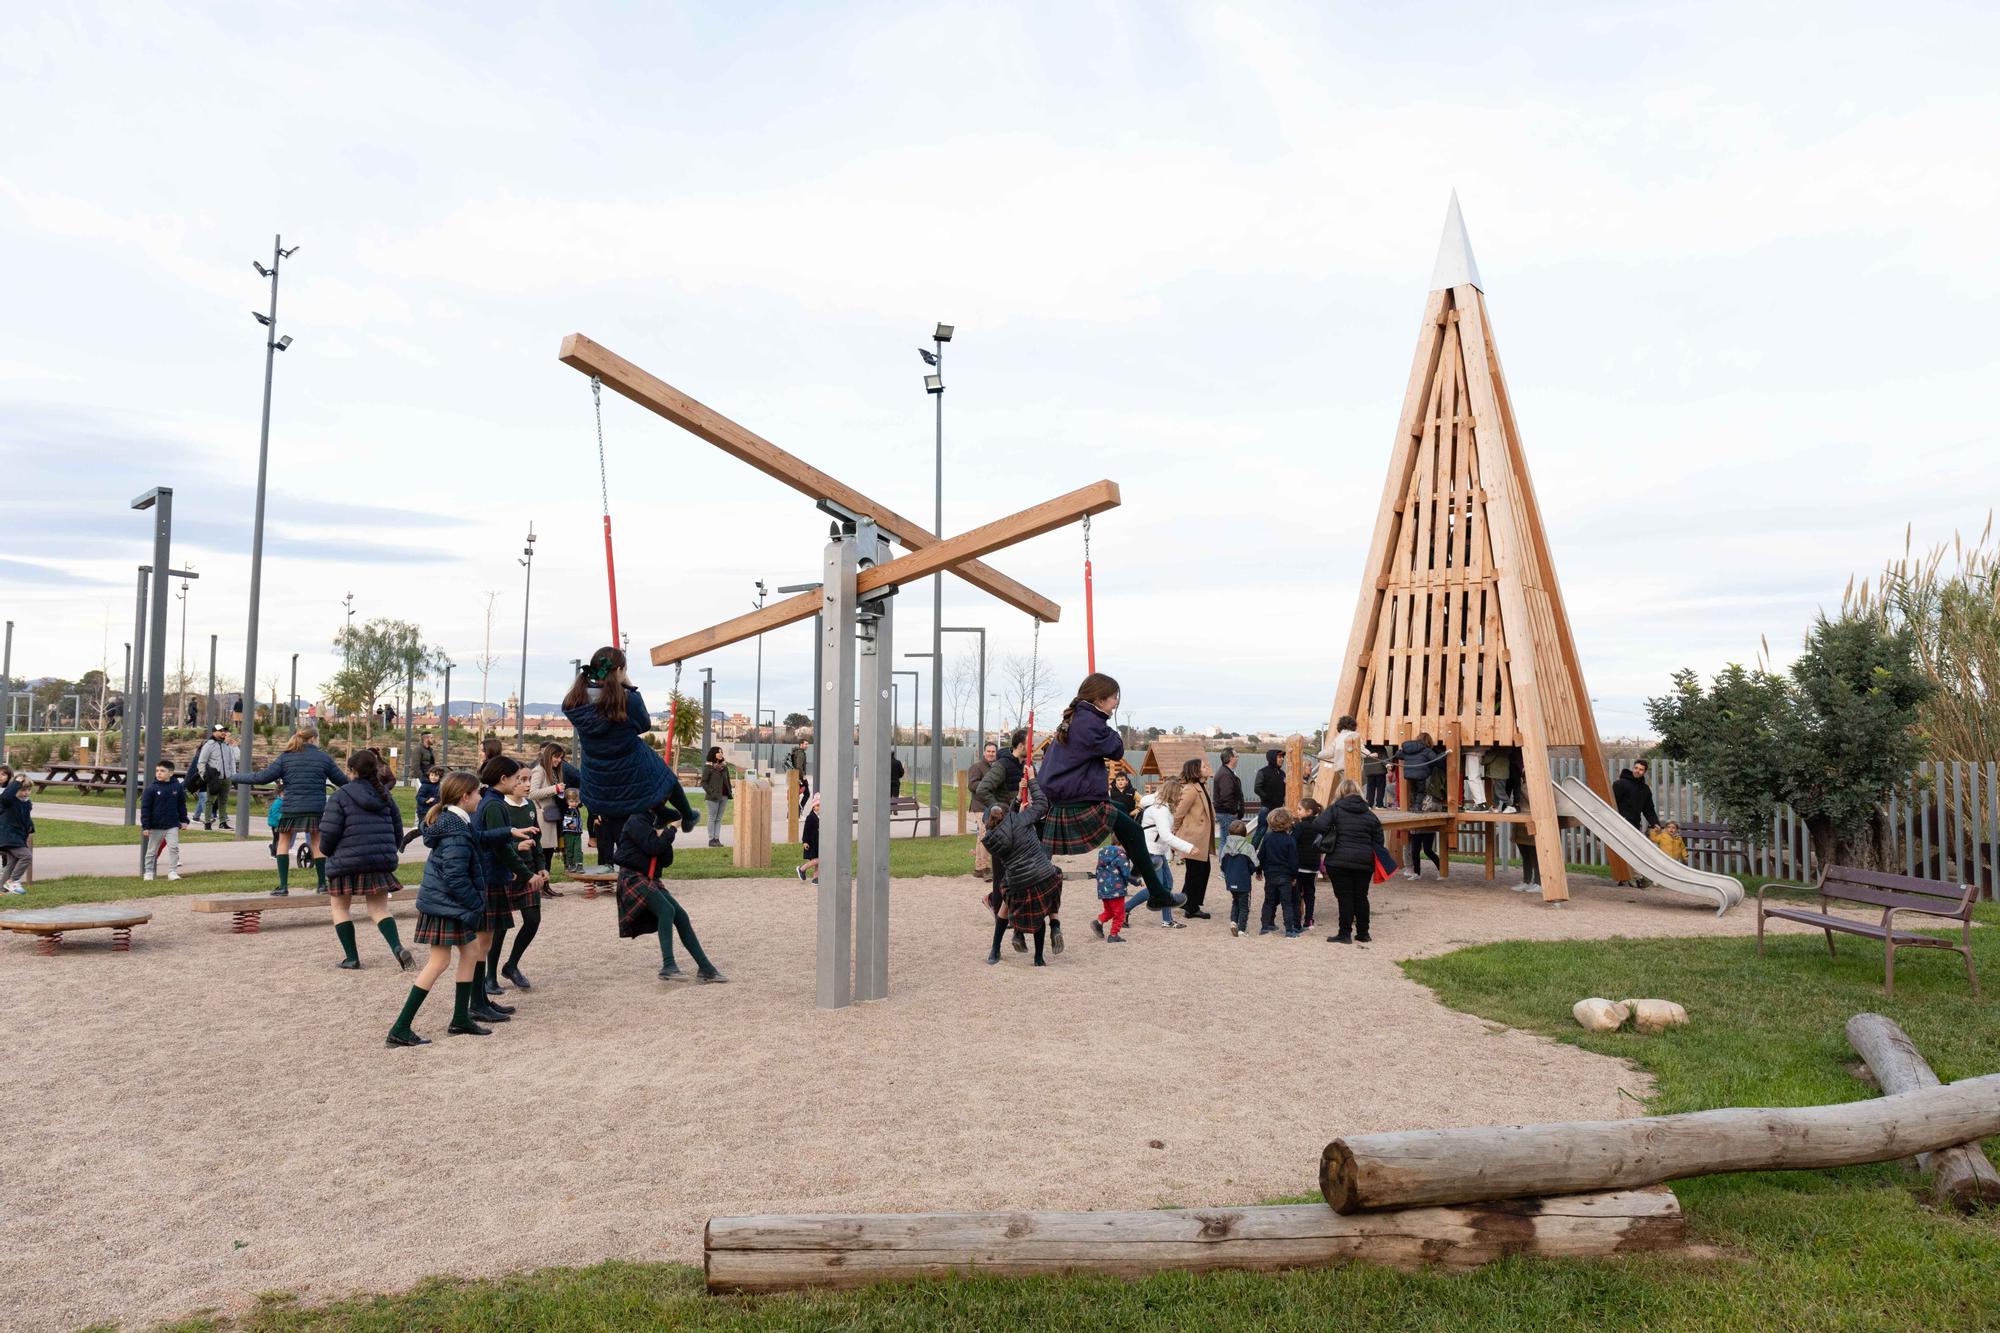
(852,950)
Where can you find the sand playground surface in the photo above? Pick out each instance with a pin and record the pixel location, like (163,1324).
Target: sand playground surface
(213,1116)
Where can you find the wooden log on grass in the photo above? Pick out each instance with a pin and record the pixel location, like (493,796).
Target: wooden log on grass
(753,1254)
(1456,1166)
(1961,1177)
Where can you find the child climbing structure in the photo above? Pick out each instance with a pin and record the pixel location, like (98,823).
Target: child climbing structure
(1460,631)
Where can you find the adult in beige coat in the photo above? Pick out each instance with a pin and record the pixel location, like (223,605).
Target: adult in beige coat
(1194,821)
(545,791)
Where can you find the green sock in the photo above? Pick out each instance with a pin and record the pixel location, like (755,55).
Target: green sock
(410,1006)
(387,925)
(461,1005)
(345,929)
(319,869)
(479,982)
(284,870)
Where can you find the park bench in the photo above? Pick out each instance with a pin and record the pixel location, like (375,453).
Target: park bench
(1717,839)
(49,924)
(246,909)
(905,808)
(1893,894)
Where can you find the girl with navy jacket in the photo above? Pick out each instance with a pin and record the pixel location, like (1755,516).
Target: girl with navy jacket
(1077,782)
(362,832)
(623,776)
(306,772)
(451,901)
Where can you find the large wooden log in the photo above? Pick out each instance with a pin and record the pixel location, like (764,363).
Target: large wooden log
(1961,1177)
(749,1254)
(1451,1166)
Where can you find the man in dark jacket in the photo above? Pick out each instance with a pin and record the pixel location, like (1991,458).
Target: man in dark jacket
(426,757)
(1002,783)
(1634,797)
(1270,787)
(989,754)
(1228,796)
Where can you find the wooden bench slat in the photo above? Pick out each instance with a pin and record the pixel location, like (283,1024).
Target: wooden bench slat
(1937,905)
(1852,927)
(1855,877)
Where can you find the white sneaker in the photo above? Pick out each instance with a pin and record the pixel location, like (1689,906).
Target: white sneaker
(1409,874)
(148,876)
(16,886)
(173,874)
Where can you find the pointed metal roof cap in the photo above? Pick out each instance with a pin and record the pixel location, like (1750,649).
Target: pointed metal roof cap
(1455,264)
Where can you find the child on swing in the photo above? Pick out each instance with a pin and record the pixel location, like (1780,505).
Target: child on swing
(623,776)
(1077,784)
(645,848)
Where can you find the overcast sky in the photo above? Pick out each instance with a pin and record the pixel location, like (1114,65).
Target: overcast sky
(1739,261)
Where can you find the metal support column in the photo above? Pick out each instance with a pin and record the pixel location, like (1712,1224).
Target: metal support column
(7,689)
(156,641)
(208,718)
(833,972)
(134,687)
(871,916)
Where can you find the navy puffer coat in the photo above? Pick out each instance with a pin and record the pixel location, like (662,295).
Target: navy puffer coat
(622,774)
(305,773)
(1073,770)
(362,830)
(454,886)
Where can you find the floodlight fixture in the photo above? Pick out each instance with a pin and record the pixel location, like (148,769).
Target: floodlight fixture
(933,384)
(283,342)
(943,333)
(262,272)
(261,318)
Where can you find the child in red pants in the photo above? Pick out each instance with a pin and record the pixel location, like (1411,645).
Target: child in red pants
(1115,878)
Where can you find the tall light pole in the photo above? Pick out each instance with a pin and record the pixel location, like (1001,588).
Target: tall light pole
(295,691)
(444,722)
(7,689)
(161,501)
(934,386)
(527,590)
(707,711)
(981,632)
(209,715)
(273,345)
(757,706)
(180,699)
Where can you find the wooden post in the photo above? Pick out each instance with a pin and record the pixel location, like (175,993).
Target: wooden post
(759,1254)
(1961,1177)
(1453,780)
(791,805)
(753,824)
(1295,771)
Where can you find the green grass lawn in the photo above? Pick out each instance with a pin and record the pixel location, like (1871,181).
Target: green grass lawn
(51,831)
(1824,1250)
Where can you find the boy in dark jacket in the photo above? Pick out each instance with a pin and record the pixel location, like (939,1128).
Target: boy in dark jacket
(17,827)
(1279,857)
(1306,835)
(163,813)
(427,792)
(1270,788)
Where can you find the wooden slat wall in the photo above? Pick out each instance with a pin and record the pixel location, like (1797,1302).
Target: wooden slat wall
(1945,824)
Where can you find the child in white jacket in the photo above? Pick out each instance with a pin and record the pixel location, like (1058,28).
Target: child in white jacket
(1156,817)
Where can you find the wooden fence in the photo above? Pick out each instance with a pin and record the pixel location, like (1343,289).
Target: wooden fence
(1944,824)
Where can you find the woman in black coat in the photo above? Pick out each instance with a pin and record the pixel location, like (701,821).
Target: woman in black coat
(1349,836)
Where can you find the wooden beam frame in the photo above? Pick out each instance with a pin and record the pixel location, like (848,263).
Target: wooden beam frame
(952,554)
(657,396)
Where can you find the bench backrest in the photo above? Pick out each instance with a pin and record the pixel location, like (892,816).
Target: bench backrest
(1883,889)
(1693,829)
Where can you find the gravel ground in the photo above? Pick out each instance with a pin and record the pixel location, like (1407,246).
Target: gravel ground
(213,1116)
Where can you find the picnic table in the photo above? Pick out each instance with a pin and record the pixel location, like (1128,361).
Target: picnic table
(86,777)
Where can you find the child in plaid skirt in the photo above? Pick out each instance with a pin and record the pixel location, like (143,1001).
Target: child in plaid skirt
(1027,887)
(451,901)
(646,848)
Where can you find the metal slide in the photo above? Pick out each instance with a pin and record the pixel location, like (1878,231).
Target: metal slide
(1575,799)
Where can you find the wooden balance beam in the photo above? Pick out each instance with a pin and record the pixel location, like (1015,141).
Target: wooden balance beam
(49,924)
(246,909)
(757,1254)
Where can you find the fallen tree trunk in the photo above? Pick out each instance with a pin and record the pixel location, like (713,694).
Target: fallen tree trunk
(748,1254)
(1452,1166)
(1961,1177)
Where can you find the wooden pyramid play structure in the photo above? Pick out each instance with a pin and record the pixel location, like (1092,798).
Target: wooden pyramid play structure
(1460,630)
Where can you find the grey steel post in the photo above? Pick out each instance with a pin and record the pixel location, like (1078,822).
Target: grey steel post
(937,619)
(871,908)
(708,709)
(7,688)
(295,692)
(444,724)
(208,717)
(819,643)
(409,729)
(521,705)
(832,968)
(245,741)
(135,685)
(757,705)
(161,501)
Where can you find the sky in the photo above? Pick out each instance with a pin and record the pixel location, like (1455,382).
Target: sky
(1739,263)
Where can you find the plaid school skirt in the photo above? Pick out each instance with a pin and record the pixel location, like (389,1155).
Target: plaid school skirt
(306,823)
(635,914)
(1073,829)
(499,907)
(517,894)
(1028,906)
(363,882)
(443,930)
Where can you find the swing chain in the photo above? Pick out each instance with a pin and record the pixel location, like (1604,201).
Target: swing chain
(597,401)
(1086,548)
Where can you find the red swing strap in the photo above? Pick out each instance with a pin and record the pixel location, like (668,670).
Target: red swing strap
(604,493)
(1089,602)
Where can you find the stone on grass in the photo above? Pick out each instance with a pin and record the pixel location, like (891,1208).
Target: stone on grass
(1652,1017)
(1600,1015)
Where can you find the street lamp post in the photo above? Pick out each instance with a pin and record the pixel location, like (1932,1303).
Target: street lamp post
(757,704)
(208,715)
(7,688)
(527,591)
(295,691)
(180,699)
(161,501)
(981,632)
(707,711)
(273,345)
(444,723)
(934,385)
